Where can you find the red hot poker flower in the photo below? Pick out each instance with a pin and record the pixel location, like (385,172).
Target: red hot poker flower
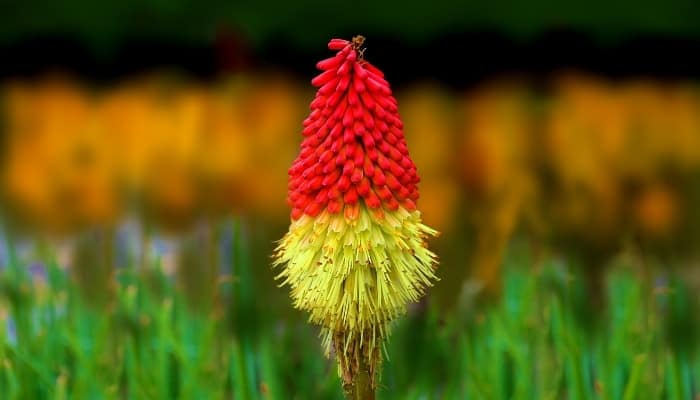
(354,148)
(355,253)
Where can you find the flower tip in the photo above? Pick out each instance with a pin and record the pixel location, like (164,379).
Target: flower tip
(352,212)
(358,41)
(337,44)
(409,204)
(297,213)
(313,209)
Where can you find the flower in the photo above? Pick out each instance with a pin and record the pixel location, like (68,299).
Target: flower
(355,253)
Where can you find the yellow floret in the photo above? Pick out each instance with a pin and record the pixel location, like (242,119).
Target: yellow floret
(356,275)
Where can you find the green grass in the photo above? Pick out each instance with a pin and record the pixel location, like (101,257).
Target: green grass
(542,340)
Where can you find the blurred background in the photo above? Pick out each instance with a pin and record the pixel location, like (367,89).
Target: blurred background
(144,149)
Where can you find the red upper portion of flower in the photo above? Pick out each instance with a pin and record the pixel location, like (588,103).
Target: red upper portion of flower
(354,148)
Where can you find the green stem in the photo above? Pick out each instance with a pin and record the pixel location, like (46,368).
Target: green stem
(361,387)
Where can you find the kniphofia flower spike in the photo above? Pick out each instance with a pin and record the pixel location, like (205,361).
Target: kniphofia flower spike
(355,254)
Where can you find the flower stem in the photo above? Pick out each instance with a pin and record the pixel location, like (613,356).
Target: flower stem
(361,387)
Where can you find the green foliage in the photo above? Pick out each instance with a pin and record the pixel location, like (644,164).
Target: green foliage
(149,343)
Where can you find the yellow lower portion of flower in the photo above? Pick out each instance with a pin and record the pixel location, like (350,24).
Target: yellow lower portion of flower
(355,275)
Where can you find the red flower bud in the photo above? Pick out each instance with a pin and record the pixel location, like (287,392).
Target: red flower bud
(354,150)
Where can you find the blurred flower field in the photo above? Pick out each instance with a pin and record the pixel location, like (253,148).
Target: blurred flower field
(138,220)
(172,151)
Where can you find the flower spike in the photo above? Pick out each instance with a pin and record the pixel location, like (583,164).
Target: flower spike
(355,254)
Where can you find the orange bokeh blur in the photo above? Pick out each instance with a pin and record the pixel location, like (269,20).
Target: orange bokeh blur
(588,157)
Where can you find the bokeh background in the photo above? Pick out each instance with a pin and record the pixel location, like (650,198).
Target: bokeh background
(143,175)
